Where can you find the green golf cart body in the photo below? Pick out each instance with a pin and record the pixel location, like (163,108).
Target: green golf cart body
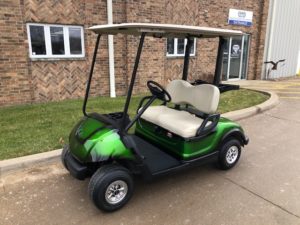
(184,131)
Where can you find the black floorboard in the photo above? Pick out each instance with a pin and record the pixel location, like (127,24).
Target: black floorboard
(156,159)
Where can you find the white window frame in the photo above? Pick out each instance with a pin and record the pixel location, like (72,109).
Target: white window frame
(49,54)
(175,54)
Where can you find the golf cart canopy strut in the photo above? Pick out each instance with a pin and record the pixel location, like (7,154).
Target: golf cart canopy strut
(163,30)
(187,58)
(133,76)
(88,84)
(219,62)
(157,31)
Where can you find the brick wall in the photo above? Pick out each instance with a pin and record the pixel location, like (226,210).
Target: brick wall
(61,79)
(23,80)
(211,13)
(152,59)
(215,13)
(15,80)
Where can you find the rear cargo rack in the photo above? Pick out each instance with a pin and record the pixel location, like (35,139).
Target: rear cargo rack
(222,87)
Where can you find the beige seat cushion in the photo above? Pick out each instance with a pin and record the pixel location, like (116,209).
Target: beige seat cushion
(178,122)
(204,97)
(153,112)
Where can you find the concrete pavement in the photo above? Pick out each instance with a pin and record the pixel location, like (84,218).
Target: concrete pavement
(286,89)
(264,188)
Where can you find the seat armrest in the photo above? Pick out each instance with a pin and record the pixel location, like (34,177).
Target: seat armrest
(203,129)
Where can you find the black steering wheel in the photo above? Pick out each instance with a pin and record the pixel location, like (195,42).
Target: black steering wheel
(158,91)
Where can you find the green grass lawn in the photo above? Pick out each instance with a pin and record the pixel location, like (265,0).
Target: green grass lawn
(30,129)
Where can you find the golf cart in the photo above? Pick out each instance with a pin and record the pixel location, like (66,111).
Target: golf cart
(184,131)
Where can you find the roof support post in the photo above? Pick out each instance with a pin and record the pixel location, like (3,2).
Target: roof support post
(133,77)
(187,58)
(88,84)
(219,62)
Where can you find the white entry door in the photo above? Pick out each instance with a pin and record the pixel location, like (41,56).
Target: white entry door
(235,58)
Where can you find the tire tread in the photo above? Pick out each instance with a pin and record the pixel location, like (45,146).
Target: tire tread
(99,177)
(222,161)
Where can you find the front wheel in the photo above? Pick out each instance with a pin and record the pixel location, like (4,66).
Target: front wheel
(111,187)
(230,153)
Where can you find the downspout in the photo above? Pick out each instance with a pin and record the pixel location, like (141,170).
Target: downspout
(111,60)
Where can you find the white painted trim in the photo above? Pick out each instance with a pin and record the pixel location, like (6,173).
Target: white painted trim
(109,12)
(66,40)
(111,60)
(269,38)
(229,57)
(176,48)
(234,79)
(111,66)
(82,41)
(248,55)
(49,54)
(47,43)
(242,56)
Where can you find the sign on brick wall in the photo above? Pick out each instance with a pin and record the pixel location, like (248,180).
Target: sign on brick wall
(240,17)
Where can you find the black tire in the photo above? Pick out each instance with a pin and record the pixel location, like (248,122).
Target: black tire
(226,159)
(63,155)
(100,182)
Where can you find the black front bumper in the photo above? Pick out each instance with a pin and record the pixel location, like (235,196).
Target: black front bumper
(246,140)
(76,168)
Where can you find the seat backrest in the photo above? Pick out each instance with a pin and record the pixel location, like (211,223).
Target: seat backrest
(204,97)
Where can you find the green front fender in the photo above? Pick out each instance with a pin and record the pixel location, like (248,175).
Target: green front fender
(94,141)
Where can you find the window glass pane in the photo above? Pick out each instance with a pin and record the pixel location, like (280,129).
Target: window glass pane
(180,46)
(170,46)
(57,40)
(37,37)
(75,41)
(192,49)
(235,58)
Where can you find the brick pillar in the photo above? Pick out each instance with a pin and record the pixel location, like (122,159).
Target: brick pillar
(264,10)
(15,82)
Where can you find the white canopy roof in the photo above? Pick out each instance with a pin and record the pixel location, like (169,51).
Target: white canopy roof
(163,30)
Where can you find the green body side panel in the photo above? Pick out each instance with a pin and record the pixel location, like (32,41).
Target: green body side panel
(182,148)
(92,141)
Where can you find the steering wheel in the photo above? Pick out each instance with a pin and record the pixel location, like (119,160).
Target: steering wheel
(158,91)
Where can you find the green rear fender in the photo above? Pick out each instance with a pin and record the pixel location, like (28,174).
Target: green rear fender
(93,141)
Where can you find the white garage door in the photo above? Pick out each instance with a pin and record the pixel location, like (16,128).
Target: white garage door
(283,38)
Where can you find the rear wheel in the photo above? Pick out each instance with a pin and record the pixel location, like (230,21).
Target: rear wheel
(111,187)
(230,153)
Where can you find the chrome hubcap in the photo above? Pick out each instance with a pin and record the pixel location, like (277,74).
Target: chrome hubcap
(232,154)
(116,192)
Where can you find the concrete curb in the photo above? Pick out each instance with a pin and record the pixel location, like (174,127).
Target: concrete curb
(10,165)
(251,111)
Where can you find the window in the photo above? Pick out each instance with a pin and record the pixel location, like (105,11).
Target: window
(176,47)
(55,41)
